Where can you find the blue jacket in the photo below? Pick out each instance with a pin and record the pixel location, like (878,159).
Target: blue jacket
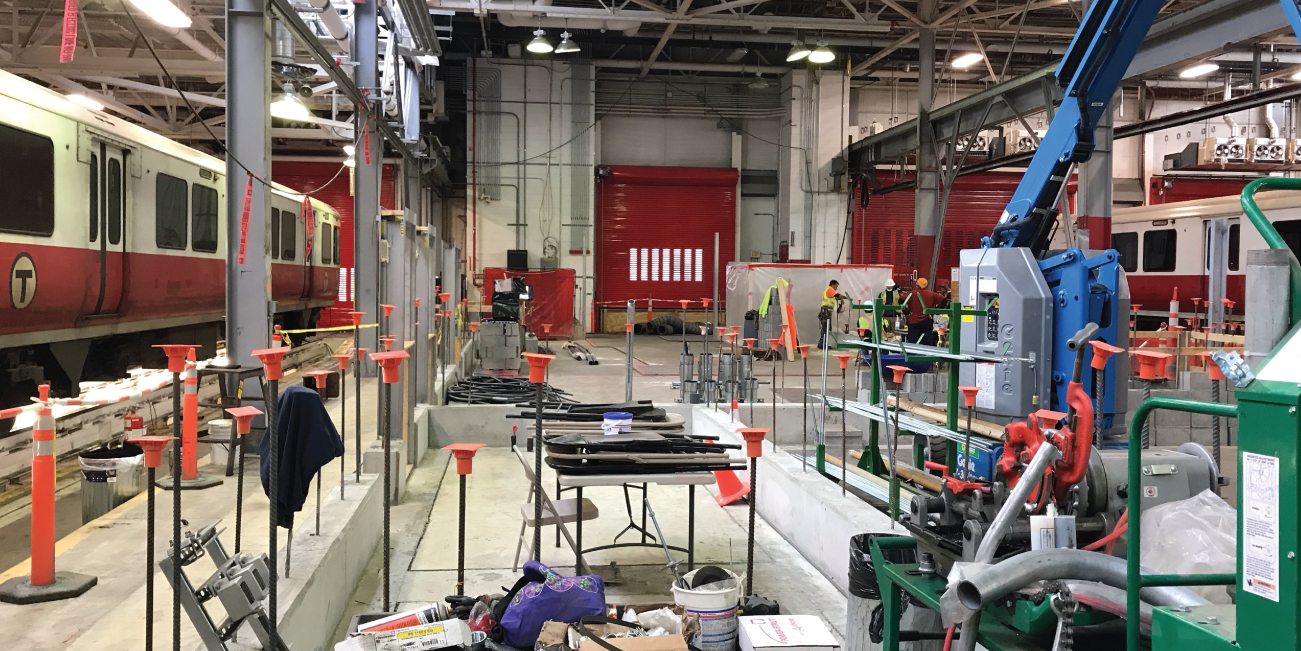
(307,441)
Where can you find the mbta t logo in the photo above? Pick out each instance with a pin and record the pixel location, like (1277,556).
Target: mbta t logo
(22,281)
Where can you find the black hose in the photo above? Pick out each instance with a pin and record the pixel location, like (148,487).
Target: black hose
(490,390)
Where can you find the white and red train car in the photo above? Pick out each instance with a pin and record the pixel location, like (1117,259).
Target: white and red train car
(1166,246)
(115,240)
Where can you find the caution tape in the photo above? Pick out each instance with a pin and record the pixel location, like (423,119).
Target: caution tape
(332,329)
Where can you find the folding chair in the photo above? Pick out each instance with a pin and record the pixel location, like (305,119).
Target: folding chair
(554,512)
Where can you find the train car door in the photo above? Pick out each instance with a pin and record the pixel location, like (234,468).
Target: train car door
(108,212)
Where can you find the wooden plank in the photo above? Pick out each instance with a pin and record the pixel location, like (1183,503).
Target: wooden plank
(937,416)
(924,479)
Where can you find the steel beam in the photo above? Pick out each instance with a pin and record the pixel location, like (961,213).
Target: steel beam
(365,199)
(248,93)
(761,24)
(926,207)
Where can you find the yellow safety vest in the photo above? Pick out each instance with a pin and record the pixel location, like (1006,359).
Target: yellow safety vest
(829,297)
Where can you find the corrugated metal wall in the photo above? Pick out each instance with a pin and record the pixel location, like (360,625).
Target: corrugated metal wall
(655,231)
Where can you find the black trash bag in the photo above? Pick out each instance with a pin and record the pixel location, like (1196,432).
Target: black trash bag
(862,575)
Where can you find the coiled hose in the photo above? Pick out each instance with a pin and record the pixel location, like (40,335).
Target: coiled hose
(490,390)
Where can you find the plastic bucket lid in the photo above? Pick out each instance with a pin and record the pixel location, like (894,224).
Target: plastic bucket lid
(126,451)
(617,416)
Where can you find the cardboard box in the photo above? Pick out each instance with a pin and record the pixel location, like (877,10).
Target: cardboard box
(786,632)
(426,637)
(656,643)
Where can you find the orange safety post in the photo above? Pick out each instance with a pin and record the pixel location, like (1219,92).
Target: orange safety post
(753,449)
(43,584)
(464,453)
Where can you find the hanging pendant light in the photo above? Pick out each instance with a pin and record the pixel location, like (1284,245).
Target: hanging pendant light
(289,107)
(539,44)
(566,45)
(798,51)
(822,54)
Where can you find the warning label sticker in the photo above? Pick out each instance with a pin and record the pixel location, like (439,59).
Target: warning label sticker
(1260,525)
(985,378)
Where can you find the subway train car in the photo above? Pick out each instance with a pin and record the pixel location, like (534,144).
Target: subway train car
(1167,246)
(114,239)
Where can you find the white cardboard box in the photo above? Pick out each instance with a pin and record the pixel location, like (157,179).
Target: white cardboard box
(786,632)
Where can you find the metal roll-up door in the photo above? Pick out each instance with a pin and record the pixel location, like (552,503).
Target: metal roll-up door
(655,232)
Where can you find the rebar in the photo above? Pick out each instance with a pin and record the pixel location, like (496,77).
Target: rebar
(460,543)
(356,339)
(1215,424)
(273,476)
(537,475)
(343,426)
(176,513)
(1147,424)
(1099,379)
(844,438)
(804,433)
(238,448)
(749,555)
(149,565)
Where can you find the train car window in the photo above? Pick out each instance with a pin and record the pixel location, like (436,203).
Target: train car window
(1126,246)
(205,218)
(94,197)
(1291,232)
(1235,241)
(114,208)
(288,235)
(171,213)
(27,194)
(325,244)
(337,237)
(273,229)
(1159,250)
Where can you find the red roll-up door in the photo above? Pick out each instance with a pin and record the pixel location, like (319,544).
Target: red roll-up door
(327,183)
(883,231)
(655,231)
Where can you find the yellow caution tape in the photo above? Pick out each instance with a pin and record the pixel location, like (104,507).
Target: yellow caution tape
(335,328)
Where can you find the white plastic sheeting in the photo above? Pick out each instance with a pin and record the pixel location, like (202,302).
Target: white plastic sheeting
(746,284)
(1193,536)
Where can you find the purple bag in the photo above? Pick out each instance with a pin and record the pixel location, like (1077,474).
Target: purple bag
(542,596)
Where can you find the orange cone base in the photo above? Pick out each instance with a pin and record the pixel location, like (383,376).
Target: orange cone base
(200,482)
(67,585)
(730,487)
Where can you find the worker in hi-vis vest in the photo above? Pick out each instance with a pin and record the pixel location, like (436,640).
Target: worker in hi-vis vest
(831,297)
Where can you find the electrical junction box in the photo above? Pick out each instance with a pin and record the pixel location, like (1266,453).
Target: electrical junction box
(1009,285)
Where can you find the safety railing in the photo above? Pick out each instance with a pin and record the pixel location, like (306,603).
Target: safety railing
(1134,577)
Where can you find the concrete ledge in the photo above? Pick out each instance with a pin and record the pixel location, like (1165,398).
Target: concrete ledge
(806,508)
(372,463)
(331,564)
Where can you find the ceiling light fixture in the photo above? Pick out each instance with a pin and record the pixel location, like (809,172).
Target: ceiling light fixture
(84,101)
(1199,70)
(349,150)
(822,54)
(566,45)
(350,162)
(289,107)
(798,51)
(759,81)
(1297,76)
(539,44)
(967,60)
(163,12)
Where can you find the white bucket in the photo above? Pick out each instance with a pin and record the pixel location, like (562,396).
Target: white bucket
(616,422)
(716,610)
(219,440)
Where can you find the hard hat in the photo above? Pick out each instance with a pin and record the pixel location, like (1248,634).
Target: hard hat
(889,283)
(921,283)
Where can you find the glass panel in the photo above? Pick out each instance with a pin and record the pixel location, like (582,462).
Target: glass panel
(171,214)
(114,203)
(27,194)
(94,197)
(205,219)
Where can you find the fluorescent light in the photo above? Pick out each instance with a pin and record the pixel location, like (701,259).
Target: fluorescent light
(1199,70)
(539,44)
(426,59)
(967,60)
(163,12)
(822,54)
(289,107)
(350,162)
(349,150)
(84,101)
(798,51)
(566,45)
(1297,76)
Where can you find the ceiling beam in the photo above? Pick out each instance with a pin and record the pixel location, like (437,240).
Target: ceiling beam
(111,103)
(883,53)
(724,6)
(195,98)
(904,12)
(761,24)
(951,12)
(668,33)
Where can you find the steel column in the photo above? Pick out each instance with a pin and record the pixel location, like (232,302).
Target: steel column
(926,219)
(365,200)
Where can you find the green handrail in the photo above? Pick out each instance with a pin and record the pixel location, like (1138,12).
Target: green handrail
(1133,571)
(1272,238)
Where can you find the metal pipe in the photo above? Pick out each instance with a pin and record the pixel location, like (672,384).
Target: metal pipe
(333,23)
(1002,579)
(1030,478)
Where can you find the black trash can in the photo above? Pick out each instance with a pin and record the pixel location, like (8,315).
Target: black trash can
(110,477)
(864,591)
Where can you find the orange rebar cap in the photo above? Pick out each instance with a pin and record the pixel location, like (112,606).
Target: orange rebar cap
(417,301)
(443,296)
(627,327)
(774,343)
(968,395)
(804,349)
(538,366)
(898,372)
(749,342)
(387,340)
(754,440)
(243,418)
(356,318)
(684,303)
(388,309)
(1049,417)
(1212,369)
(1101,352)
(176,355)
(843,358)
(706,301)
(474,326)
(343,359)
(320,380)
(153,447)
(272,360)
(464,453)
(1149,361)
(391,362)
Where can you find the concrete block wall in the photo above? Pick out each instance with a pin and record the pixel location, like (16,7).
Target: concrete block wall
(930,387)
(1170,428)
